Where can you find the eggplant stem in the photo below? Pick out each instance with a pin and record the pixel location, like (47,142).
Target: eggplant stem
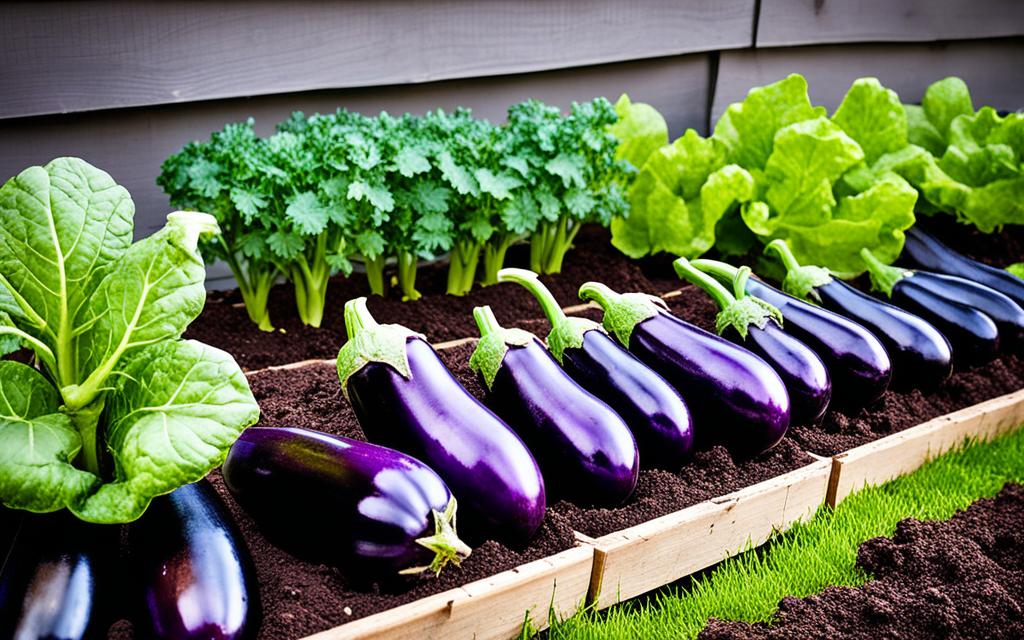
(357,317)
(712,287)
(719,270)
(485,321)
(883,277)
(445,542)
(785,254)
(531,281)
(600,293)
(739,283)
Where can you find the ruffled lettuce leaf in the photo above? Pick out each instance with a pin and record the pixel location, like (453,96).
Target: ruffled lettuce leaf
(640,130)
(676,201)
(823,224)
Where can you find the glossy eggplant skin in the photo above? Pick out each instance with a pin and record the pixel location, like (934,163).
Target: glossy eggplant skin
(193,572)
(334,500)
(654,411)
(736,398)
(804,374)
(973,335)
(921,355)
(585,450)
(926,252)
(1007,314)
(433,418)
(856,360)
(56,582)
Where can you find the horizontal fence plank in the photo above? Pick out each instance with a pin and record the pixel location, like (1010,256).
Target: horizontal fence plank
(64,57)
(991,68)
(793,22)
(131,144)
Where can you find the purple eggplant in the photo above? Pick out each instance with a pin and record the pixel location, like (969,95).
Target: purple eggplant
(950,303)
(194,575)
(921,356)
(856,360)
(55,579)
(406,399)
(371,510)
(756,325)
(584,448)
(736,398)
(926,252)
(654,411)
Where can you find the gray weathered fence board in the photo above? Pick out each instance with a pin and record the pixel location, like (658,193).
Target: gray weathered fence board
(791,22)
(131,144)
(992,69)
(59,57)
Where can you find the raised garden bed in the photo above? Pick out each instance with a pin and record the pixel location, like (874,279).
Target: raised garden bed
(678,522)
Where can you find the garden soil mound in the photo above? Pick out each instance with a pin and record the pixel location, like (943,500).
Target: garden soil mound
(960,578)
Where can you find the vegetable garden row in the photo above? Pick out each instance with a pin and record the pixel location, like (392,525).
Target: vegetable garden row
(630,447)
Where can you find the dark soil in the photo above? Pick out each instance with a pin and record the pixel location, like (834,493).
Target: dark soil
(899,410)
(962,578)
(224,323)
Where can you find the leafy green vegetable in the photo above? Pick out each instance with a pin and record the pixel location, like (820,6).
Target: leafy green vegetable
(573,175)
(104,318)
(967,162)
(682,192)
(640,131)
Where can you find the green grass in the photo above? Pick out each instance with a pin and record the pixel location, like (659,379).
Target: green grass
(810,556)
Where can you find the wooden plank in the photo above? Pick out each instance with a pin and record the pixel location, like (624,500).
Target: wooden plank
(494,608)
(793,22)
(991,68)
(132,144)
(652,554)
(903,452)
(62,57)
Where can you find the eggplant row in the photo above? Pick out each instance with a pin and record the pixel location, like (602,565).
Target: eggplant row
(653,410)
(736,398)
(753,323)
(856,360)
(584,448)
(977,320)
(920,354)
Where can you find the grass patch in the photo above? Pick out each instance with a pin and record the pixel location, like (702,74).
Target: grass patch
(810,556)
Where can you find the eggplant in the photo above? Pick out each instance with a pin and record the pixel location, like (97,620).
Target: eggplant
(921,356)
(950,303)
(736,398)
(584,448)
(55,580)
(856,360)
(653,410)
(753,323)
(927,253)
(193,573)
(406,399)
(373,511)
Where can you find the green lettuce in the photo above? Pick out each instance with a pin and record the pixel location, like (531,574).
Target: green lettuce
(967,162)
(104,317)
(680,195)
(640,131)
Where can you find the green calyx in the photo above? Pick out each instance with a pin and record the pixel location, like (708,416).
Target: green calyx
(800,281)
(445,543)
(622,311)
(883,277)
(494,343)
(738,309)
(566,332)
(369,342)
